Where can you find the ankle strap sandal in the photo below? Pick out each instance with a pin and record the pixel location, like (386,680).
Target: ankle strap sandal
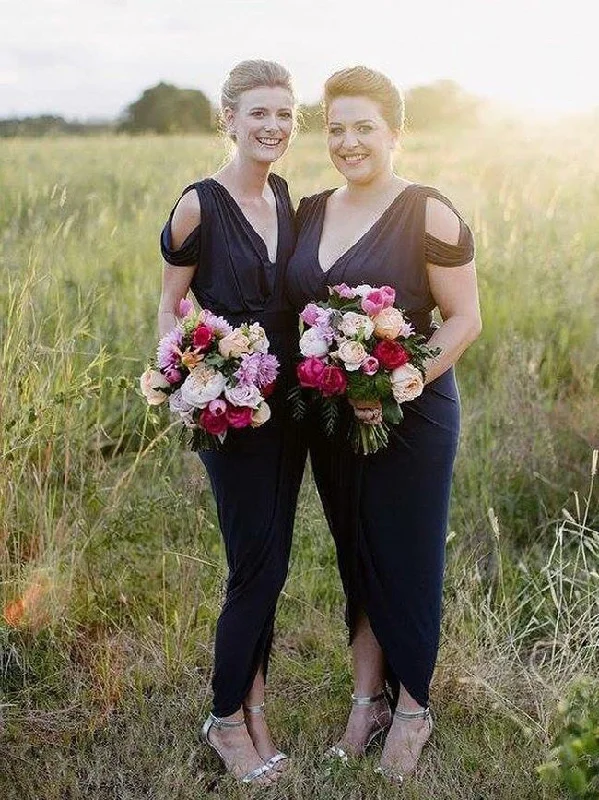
(336,751)
(279,755)
(217,722)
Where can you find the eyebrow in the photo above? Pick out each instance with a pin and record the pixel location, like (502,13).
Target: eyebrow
(263,108)
(357,122)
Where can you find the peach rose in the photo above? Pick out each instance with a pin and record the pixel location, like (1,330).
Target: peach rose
(234,345)
(407,383)
(151,384)
(260,415)
(352,354)
(388,323)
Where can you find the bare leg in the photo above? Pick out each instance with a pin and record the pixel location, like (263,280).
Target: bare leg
(368,665)
(256,722)
(236,749)
(406,739)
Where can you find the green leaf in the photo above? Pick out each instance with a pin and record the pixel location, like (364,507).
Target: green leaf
(392,412)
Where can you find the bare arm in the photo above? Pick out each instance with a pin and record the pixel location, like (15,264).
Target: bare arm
(455,292)
(176,280)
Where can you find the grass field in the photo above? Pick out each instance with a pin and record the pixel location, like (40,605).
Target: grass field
(111,570)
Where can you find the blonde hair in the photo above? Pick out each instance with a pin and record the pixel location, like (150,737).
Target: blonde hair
(252,74)
(362,81)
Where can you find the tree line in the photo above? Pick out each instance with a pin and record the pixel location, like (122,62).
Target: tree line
(167,109)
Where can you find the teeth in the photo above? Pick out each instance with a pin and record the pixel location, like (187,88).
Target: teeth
(354,159)
(270,142)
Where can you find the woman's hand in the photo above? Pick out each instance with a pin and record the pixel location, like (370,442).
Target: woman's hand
(368,411)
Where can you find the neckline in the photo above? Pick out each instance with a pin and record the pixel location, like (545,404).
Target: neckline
(252,232)
(366,233)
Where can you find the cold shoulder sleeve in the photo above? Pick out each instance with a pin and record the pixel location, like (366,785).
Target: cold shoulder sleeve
(189,253)
(442,253)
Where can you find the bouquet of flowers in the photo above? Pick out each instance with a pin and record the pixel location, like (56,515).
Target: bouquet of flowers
(214,376)
(359,346)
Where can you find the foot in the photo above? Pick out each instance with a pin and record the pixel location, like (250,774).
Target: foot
(238,753)
(364,723)
(260,735)
(403,745)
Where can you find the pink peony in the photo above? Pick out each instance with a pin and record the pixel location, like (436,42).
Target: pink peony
(215,424)
(217,407)
(268,389)
(185,307)
(172,374)
(309,372)
(370,365)
(239,416)
(332,381)
(202,336)
(378,300)
(343,290)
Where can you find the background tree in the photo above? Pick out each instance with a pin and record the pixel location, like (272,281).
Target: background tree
(166,109)
(441,104)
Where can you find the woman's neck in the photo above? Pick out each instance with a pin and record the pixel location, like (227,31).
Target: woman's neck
(387,183)
(246,178)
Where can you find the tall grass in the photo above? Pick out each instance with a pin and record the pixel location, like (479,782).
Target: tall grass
(111,569)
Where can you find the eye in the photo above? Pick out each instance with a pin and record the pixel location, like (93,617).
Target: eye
(335,130)
(258,113)
(286,114)
(365,128)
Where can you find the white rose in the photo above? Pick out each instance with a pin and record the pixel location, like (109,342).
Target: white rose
(202,385)
(363,289)
(407,383)
(353,324)
(151,384)
(257,338)
(261,415)
(243,396)
(352,354)
(313,344)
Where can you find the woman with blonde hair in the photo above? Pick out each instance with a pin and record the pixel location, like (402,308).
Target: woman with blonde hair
(229,238)
(388,511)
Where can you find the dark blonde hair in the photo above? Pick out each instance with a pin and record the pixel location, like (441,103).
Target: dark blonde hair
(252,74)
(362,81)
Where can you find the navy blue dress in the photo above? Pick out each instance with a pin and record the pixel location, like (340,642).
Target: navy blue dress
(388,511)
(256,476)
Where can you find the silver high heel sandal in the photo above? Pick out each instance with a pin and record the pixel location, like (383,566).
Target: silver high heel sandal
(396,777)
(338,752)
(217,722)
(279,755)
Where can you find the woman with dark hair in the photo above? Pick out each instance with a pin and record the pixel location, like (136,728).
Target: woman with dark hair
(229,238)
(388,511)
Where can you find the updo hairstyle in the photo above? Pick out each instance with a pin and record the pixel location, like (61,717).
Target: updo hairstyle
(362,81)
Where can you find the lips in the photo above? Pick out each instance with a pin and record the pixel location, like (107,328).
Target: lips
(269,142)
(354,158)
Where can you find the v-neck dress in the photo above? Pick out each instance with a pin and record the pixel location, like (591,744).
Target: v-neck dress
(256,476)
(388,511)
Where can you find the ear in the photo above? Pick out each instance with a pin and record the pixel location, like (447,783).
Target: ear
(228,118)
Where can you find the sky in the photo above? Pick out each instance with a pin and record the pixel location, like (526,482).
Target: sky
(89,58)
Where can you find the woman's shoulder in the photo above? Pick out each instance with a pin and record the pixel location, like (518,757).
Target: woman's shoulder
(186,215)
(313,202)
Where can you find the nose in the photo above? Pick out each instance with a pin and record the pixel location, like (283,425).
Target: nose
(270,123)
(350,139)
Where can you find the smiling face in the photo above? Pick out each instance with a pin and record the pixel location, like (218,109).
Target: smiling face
(360,141)
(262,123)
